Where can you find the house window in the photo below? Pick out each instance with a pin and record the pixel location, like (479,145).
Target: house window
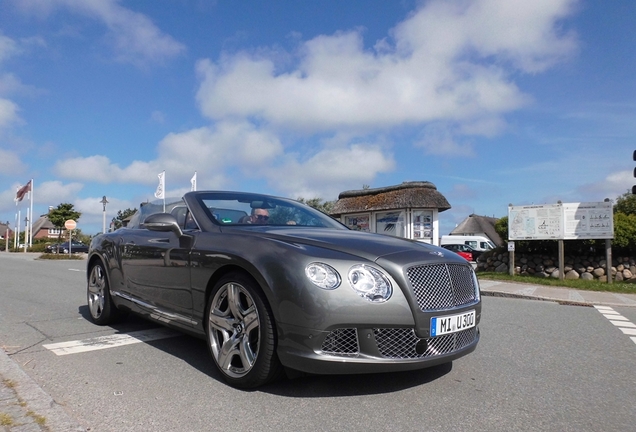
(55,231)
(422,224)
(358,222)
(391,223)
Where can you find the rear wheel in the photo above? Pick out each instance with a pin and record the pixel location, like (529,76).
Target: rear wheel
(241,334)
(100,304)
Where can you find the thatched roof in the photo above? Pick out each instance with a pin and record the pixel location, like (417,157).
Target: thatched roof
(42,223)
(418,194)
(474,224)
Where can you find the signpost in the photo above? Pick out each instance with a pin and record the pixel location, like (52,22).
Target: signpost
(511,253)
(70,226)
(563,221)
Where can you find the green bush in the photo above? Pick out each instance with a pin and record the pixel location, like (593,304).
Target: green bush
(62,256)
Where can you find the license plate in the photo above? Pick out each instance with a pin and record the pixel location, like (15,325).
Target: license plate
(452,323)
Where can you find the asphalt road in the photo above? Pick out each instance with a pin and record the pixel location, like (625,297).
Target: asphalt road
(539,366)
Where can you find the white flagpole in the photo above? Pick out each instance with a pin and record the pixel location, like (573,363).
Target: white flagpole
(31,220)
(26,229)
(17,218)
(17,237)
(193,182)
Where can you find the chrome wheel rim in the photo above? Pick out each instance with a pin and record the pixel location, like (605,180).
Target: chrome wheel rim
(96,287)
(234,330)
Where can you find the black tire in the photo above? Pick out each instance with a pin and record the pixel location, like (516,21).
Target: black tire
(241,334)
(100,304)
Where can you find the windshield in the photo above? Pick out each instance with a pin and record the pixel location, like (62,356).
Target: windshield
(243,209)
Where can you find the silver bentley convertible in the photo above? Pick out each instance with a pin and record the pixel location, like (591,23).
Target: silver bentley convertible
(273,284)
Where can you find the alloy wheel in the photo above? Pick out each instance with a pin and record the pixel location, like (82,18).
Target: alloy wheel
(234,330)
(96,287)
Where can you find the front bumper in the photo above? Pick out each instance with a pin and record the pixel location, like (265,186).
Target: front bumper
(370,350)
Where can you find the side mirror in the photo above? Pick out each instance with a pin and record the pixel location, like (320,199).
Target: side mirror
(163,222)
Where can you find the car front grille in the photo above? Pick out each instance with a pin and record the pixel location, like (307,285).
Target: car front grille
(402,343)
(397,343)
(442,286)
(342,341)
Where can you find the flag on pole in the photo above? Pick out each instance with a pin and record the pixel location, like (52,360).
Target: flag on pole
(160,193)
(193,182)
(19,195)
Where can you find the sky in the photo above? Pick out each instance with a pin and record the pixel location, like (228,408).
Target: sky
(495,102)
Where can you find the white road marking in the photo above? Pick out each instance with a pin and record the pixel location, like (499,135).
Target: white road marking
(625,325)
(103,342)
(610,312)
(77,270)
(615,317)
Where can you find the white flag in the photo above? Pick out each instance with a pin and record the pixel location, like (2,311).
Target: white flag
(160,193)
(193,182)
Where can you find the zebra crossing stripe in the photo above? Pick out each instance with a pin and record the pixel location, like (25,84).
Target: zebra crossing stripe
(624,324)
(110,341)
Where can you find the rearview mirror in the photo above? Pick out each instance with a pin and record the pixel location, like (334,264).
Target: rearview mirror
(163,222)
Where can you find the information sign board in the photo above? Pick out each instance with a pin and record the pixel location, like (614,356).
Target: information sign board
(588,221)
(535,222)
(562,221)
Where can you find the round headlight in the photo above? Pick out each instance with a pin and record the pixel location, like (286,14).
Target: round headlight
(370,283)
(323,275)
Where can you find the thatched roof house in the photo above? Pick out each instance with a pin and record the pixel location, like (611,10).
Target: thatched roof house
(479,225)
(44,228)
(415,194)
(409,210)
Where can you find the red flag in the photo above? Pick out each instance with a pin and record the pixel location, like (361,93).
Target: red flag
(23,191)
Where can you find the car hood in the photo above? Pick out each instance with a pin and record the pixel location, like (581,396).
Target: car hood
(366,245)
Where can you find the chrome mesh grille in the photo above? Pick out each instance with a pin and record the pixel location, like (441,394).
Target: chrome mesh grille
(442,286)
(402,343)
(342,341)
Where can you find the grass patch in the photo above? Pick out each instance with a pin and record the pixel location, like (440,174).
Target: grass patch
(580,284)
(6,419)
(8,383)
(38,418)
(62,256)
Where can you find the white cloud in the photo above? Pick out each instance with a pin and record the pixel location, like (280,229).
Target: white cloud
(8,113)
(612,186)
(324,174)
(10,162)
(448,61)
(210,151)
(134,37)
(8,47)
(52,193)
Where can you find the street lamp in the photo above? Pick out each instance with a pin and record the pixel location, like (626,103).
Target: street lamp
(104,201)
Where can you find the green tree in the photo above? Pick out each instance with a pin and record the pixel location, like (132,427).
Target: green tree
(624,231)
(318,204)
(501,226)
(118,221)
(61,214)
(626,204)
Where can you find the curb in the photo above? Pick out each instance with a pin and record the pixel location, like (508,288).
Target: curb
(527,297)
(31,400)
